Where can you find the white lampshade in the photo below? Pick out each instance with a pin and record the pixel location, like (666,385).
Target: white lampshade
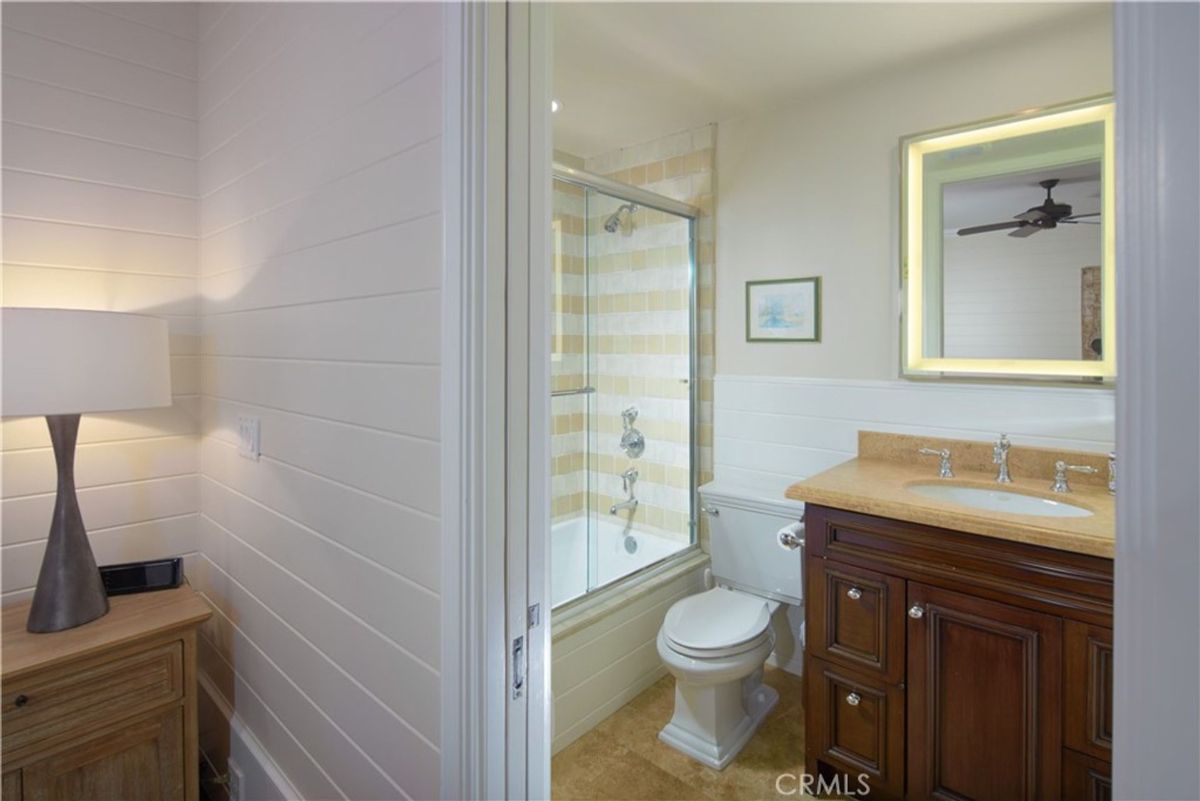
(68,361)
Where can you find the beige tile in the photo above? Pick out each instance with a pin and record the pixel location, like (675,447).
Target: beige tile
(622,758)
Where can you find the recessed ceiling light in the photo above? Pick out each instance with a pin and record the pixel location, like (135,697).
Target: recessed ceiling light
(555,106)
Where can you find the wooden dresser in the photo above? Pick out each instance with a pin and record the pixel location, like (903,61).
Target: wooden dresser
(107,710)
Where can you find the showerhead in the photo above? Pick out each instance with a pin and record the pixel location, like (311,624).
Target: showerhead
(614,220)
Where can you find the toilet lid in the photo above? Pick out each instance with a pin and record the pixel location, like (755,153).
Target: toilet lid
(716,620)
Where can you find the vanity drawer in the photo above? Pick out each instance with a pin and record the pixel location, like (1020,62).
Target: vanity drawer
(1088,686)
(1070,585)
(855,724)
(63,702)
(856,618)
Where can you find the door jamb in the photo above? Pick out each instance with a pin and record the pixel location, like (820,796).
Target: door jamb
(473,661)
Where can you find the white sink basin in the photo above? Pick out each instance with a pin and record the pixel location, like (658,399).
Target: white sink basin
(995,500)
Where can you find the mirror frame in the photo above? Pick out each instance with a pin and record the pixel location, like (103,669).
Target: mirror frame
(915,364)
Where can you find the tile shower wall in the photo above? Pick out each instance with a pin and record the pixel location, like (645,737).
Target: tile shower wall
(640,299)
(568,366)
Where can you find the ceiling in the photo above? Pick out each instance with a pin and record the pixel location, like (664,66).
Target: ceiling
(630,72)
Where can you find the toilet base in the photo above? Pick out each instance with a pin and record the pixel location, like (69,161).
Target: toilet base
(712,723)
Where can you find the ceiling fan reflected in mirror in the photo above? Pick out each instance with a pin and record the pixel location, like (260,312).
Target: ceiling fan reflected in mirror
(1039,218)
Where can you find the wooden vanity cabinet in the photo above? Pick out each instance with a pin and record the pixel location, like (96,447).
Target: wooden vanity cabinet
(955,666)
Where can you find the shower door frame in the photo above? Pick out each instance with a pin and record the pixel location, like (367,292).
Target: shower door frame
(651,200)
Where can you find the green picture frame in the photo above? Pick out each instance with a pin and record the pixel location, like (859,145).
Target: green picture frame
(784,310)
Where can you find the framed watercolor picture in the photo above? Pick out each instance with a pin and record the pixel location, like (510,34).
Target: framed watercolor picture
(786,310)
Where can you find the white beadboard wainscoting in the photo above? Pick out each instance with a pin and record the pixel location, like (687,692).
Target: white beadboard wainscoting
(100,203)
(601,666)
(770,432)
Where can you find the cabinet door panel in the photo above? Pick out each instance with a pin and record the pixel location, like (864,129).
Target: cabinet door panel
(1088,688)
(857,618)
(1085,778)
(140,761)
(984,699)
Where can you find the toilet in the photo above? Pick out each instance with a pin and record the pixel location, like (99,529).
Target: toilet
(715,642)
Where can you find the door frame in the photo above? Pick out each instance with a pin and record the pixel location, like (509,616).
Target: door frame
(1156,627)
(473,662)
(1156,618)
(495,392)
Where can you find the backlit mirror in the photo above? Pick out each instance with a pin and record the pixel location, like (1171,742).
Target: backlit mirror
(1008,247)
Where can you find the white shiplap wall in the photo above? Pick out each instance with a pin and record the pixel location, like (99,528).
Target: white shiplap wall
(772,431)
(1007,296)
(99,212)
(319,218)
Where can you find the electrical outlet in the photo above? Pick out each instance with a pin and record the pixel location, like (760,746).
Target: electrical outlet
(249,437)
(235,782)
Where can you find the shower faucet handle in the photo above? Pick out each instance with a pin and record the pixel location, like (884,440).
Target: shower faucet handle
(628,416)
(629,478)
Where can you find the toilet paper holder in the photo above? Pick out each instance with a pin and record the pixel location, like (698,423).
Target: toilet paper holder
(791,537)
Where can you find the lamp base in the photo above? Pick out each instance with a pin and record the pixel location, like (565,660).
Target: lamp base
(69,590)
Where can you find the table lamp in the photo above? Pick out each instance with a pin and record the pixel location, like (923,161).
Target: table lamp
(62,363)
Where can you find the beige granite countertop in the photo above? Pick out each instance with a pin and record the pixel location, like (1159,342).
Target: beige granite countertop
(876,483)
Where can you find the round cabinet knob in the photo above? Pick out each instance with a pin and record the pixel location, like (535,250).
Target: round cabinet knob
(916,612)
(21,700)
(854,593)
(853,698)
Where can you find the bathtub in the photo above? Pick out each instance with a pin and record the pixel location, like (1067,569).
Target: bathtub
(618,552)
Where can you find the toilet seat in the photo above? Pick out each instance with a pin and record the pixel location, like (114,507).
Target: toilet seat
(718,623)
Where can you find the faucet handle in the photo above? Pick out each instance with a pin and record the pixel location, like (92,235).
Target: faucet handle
(629,477)
(944,468)
(1060,474)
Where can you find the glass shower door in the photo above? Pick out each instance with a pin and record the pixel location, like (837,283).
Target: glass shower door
(640,360)
(623,365)
(571,394)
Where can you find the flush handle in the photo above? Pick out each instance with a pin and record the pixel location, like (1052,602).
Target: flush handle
(916,612)
(854,593)
(853,698)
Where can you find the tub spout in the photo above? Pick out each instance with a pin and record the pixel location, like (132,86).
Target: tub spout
(630,504)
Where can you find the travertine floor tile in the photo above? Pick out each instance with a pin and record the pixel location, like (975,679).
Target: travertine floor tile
(622,759)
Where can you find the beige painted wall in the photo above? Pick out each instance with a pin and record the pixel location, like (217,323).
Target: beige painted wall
(813,189)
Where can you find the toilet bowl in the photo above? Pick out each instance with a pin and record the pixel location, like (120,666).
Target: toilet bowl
(715,643)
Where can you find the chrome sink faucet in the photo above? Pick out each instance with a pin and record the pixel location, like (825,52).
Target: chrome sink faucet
(1000,457)
(944,468)
(1060,474)
(628,479)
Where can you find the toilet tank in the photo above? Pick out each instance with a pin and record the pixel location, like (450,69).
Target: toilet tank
(744,541)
